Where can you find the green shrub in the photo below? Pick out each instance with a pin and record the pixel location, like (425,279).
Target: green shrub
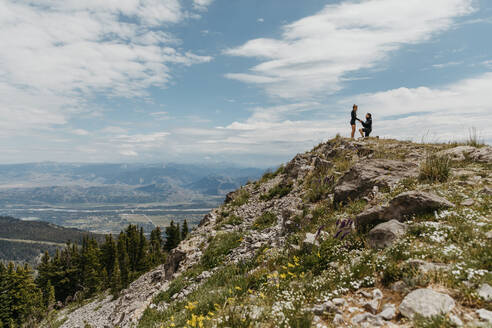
(219,247)
(320,184)
(232,220)
(176,286)
(266,220)
(474,139)
(439,321)
(241,198)
(435,169)
(270,175)
(391,273)
(278,191)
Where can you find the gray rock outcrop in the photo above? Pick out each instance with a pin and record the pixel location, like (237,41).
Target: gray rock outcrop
(485,292)
(403,207)
(460,153)
(426,303)
(385,234)
(363,176)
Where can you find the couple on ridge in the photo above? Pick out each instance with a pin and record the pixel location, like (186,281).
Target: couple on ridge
(367,125)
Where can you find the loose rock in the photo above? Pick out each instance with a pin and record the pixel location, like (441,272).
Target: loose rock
(426,302)
(385,234)
(485,315)
(485,292)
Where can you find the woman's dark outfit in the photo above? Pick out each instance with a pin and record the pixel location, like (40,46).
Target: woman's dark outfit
(354,117)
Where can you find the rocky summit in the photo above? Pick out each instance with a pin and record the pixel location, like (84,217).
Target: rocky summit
(371,233)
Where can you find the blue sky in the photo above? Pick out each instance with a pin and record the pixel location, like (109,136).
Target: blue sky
(243,81)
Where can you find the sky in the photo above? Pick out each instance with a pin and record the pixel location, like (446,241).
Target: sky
(249,82)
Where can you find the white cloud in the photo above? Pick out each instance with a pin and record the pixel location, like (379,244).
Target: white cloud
(315,53)
(57,55)
(114,130)
(133,145)
(80,132)
(435,114)
(202,4)
(160,115)
(448,64)
(487,63)
(260,20)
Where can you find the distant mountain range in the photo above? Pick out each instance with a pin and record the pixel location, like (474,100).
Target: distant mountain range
(61,183)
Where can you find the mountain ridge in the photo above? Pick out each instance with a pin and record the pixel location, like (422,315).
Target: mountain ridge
(352,233)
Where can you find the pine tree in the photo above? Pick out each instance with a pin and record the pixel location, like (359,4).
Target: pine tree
(49,296)
(184,230)
(156,246)
(173,236)
(115,281)
(123,260)
(142,259)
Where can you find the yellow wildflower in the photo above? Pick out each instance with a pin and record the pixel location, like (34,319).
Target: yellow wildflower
(238,288)
(283,275)
(190,306)
(290,265)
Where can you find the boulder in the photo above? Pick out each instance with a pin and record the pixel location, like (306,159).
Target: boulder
(411,203)
(338,320)
(403,207)
(457,153)
(322,165)
(363,176)
(486,191)
(172,262)
(485,292)
(460,153)
(468,202)
(367,319)
(485,315)
(388,312)
(482,154)
(385,234)
(426,303)
(298,166)
(310,240)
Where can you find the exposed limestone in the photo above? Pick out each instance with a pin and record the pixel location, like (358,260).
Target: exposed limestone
(385,234)
(403,207)
(485,315)
(363,176)
(457,153)
(485,292)
(460,153)
(426,303)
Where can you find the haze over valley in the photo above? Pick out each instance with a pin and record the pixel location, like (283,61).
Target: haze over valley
(105,198)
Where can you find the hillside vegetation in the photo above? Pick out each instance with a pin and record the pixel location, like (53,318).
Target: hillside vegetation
(25,241)
(41,231)
(351,234)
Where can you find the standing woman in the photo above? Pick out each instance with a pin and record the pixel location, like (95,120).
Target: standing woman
(353,119)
